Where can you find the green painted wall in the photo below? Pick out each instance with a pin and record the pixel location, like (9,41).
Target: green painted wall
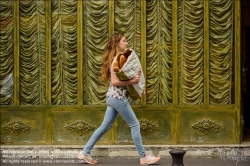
(51,52)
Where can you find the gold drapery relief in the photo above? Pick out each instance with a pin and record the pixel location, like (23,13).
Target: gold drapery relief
(32,52)
(95,32)
(190,52)
(221,51)
(95,36)
(6,52)
(64,53)
(159,52)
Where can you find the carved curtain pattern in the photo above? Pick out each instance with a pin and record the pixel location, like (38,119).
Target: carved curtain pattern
(127,21)
(190,51)
(32,52)
(64,52)
(159,52)
(96,26)
(6,53)
(221,51)
(95,36)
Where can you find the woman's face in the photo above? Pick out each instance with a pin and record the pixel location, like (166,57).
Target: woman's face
(122,45)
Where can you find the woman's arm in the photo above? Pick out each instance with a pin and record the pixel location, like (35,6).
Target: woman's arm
(116,82)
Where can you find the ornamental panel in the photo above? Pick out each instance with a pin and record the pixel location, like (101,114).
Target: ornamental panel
(80,127)
(23,127)
(71,126)
(16,127)
(206,126)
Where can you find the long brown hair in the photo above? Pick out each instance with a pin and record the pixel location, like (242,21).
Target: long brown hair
(109,53)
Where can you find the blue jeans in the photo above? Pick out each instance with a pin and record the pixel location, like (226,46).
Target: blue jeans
(115,106)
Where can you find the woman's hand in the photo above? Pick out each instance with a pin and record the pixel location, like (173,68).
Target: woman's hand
(137,78)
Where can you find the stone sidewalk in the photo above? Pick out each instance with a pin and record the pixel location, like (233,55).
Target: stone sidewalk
(120,155)
(127,151)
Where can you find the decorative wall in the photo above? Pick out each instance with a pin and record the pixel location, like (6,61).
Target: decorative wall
(50,60)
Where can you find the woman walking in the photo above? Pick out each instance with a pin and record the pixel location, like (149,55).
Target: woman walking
(117,103)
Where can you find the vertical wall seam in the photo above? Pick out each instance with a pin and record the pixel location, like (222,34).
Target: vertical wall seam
(232,53)
(237,70)
(111,17)
(79,54)
(206,52)
(48,71)
(143,47)
(111,27)
(175,68)
(48,52)
(16,54)
(175,51)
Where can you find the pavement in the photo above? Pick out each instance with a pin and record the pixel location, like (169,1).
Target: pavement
(237,161)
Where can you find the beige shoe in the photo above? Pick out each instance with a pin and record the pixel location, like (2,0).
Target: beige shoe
(148,159)
(87,158)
